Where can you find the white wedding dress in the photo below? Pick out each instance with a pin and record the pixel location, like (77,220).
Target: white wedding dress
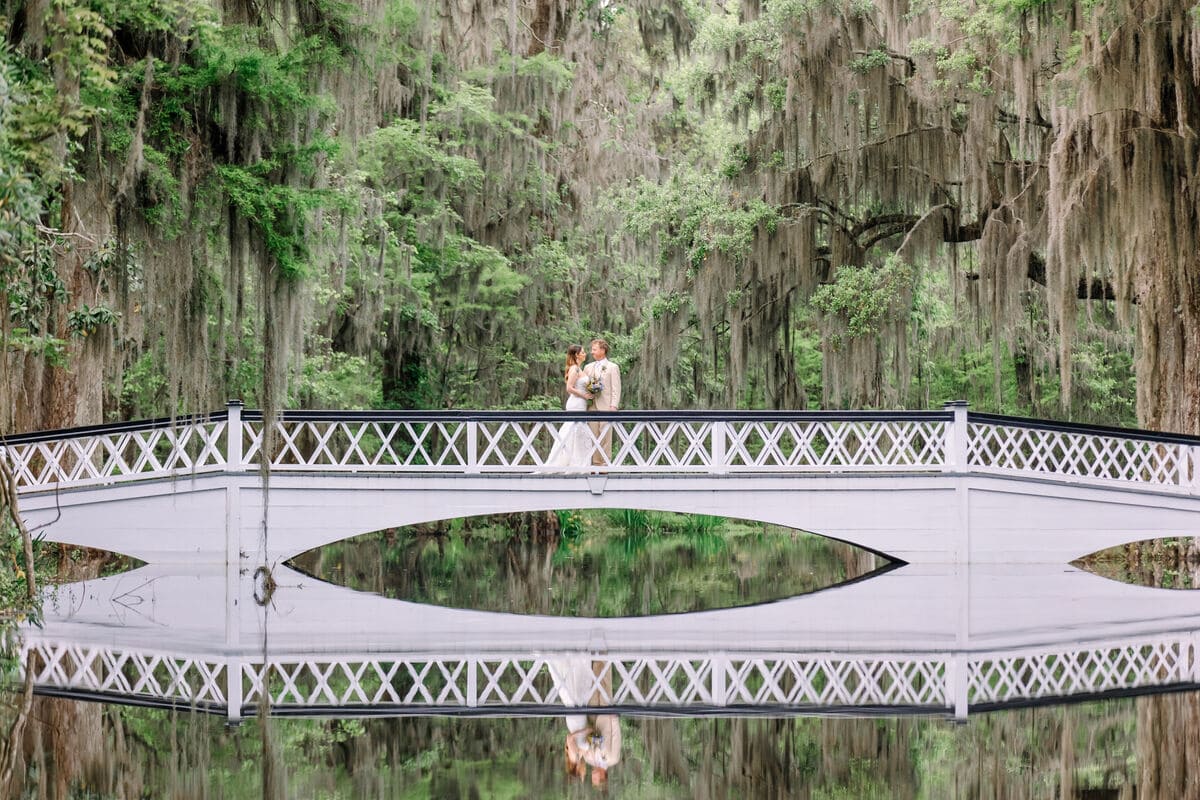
(572,452)
(575,683)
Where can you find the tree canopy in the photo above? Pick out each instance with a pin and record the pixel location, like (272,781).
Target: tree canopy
(793,204)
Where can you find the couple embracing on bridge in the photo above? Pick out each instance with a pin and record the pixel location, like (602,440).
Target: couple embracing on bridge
(594,386)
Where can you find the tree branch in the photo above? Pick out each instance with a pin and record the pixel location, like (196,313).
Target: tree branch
(882,219)
(1096,290)
(12,740)
(1007,116)
(885,233)
(8,497)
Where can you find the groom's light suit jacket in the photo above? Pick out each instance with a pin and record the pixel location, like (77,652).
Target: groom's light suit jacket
(610,396)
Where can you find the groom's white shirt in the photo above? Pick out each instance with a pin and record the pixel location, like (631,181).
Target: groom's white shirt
(609,398)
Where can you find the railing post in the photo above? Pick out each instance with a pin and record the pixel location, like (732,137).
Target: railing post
(1193,459)
(472,682)
(233,691)
(956,437)
(720,675)
(234,455)
(233,436)
(958,681)
(472,465)
(720,436)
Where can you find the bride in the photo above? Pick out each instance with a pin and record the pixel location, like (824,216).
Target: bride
(573,446)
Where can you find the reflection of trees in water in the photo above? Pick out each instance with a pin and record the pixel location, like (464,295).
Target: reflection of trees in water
(1105,749)
(1168,563)
(62,744)
(67,745)
(782,758)
(1168,746)
(610,564)
(1033,753)
(1076,751)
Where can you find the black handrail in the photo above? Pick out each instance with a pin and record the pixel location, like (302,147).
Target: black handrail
(1073,427)
(113,427)
(656,415)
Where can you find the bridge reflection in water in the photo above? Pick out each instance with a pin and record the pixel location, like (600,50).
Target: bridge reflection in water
(920,639)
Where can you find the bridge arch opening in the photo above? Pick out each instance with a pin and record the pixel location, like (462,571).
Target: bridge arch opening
(1162,563)
(591,563)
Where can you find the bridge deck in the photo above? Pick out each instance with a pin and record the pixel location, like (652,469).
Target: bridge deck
(919,486)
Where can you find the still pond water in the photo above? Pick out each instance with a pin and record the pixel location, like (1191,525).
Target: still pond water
(719,658)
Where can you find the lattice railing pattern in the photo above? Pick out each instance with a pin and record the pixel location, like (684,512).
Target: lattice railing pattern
(1071,671)
(362,446)
(709,443)
(680,446)
(106,457)
(1014,449)
(133,674)
(470,682)
(641,682)
(837,682)
(647,682)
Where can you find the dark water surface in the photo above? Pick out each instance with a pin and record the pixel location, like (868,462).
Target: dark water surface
(1008,682)
(606,564)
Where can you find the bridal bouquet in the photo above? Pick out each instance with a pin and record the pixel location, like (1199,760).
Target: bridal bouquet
(595,385)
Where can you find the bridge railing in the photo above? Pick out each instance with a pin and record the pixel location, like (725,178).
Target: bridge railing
(102,454)
(668,682)
(1017,446)
(668,442)
(1048,672)
(445,682)
(642,442)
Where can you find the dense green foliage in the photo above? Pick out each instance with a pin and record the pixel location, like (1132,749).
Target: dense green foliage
(329,207)
(779,203)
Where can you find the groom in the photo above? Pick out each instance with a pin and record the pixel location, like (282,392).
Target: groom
(609,398)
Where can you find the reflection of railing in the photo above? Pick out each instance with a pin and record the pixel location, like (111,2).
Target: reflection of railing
(710,443)
(1006,677)
(672,684)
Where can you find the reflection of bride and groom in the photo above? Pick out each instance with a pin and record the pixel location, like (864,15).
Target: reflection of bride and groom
(592,740)
(595,386)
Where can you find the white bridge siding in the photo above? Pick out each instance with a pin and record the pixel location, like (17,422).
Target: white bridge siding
(915,518)
(929,487)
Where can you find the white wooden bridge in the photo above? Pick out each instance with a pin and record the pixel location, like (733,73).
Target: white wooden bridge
(943,486)
(921,639)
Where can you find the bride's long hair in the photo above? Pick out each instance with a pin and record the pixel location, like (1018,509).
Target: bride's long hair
(572,356)
(574,763)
